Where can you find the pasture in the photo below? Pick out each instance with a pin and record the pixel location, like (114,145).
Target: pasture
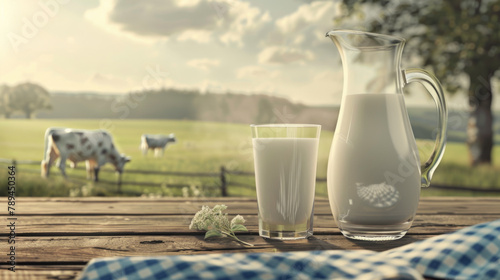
(202,147)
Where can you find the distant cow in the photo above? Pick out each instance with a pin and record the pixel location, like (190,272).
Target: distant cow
(156,143)
(95,147)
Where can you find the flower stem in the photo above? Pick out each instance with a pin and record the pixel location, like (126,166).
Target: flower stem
(231,234)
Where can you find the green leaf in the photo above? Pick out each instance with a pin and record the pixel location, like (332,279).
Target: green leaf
(213,233)
(238,227)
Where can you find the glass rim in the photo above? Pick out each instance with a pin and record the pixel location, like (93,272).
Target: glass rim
(284,125)
(371,34)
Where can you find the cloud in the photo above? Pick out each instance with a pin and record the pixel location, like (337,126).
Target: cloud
(100,17)
(284,55)
(163,18)
(180,19)
(200,36)
(254,71)
(203,64)
(108,82)
(245,19)
(307,25)
(314,14)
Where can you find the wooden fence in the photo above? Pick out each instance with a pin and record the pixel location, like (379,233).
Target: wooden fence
(222,176)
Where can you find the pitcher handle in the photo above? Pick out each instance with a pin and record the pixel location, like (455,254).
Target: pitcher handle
(431,83)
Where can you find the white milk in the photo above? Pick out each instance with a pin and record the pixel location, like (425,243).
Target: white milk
(374,168)
(285,175)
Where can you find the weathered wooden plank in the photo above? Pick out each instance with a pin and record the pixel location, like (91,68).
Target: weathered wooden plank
(141,206)
(80,249)
(445,199)
(168,224)
(57,236)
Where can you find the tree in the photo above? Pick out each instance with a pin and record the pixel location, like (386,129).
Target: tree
(4,101)
(456,38)
(28,98)
(265,111)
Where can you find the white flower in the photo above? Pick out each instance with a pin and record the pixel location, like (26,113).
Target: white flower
(237,220)
(219,208)
(202,219)
(216,223)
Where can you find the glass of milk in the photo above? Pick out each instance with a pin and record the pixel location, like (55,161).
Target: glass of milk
(285,159)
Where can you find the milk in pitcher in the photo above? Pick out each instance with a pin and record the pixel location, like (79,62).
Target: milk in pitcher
(373,167)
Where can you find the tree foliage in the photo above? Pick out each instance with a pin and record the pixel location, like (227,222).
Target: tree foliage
(452,37)
(455,38)
(4,100)
(26,97)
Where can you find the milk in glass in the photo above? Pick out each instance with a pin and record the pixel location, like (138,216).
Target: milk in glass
(285,174)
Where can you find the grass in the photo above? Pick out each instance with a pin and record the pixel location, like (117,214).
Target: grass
(200,147)
(454,169)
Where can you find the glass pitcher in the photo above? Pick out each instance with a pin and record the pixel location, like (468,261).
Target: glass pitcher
(374,171)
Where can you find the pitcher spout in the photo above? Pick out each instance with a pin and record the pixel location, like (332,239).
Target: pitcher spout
(371,62)
(364,40)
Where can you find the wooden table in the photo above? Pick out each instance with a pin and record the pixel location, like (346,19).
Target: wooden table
(56,237)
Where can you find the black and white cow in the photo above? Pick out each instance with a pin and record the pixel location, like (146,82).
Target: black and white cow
(95,147)
(156,143)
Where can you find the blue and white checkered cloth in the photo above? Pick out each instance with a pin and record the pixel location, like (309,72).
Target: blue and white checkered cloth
(470,253)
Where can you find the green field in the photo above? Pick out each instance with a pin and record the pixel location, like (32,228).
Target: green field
(200,147)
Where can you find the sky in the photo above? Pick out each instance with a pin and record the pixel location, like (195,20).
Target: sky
(118,46)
